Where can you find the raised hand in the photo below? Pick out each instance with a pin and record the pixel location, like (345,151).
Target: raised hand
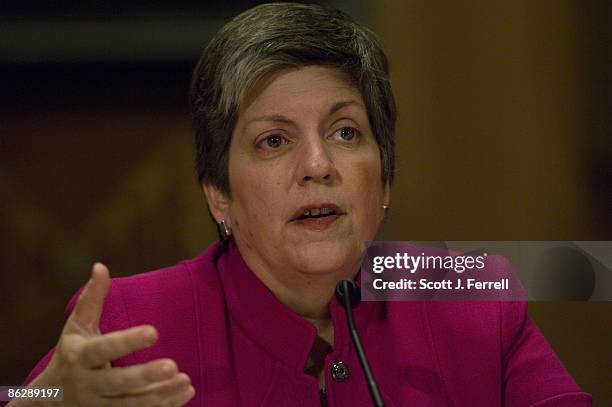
(81,362)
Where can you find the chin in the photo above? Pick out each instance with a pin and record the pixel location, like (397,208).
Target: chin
(325,257)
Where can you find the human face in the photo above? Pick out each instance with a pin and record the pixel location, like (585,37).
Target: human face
(303,142)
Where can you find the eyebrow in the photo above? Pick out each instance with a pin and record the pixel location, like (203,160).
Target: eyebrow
(279,118)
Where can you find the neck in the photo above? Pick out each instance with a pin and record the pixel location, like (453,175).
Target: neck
(307,295)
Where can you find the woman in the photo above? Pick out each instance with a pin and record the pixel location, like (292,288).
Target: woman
(294,120)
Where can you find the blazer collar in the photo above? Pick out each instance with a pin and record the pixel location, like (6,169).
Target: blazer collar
(270,323)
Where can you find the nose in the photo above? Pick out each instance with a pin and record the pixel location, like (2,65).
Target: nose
(315,163)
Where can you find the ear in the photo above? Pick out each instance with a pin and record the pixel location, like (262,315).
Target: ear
(218,202)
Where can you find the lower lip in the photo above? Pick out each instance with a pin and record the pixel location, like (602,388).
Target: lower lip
(317,223)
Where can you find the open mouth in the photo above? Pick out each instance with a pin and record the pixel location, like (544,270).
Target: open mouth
(315,213)
(320,212)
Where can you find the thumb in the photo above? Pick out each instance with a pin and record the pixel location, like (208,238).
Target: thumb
(86,314)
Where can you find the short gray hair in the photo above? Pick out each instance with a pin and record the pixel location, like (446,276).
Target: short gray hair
(274,37)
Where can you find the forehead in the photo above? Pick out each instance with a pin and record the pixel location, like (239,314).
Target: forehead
(302,89)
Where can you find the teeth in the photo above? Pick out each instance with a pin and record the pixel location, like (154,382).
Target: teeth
(314,212)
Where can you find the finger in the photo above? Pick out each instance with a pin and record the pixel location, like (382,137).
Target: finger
(86,314)
(122,380)
(182,398)
(99,350)
(168,392)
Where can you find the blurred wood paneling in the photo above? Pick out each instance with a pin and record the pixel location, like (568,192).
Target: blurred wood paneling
(80,186)
(493,142)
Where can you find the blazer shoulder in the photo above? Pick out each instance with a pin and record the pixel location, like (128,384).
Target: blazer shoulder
(155,285)
(164,293)
(155,296)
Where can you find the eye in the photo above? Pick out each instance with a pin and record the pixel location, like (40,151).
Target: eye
(274,141)
(271,142)
(347,134)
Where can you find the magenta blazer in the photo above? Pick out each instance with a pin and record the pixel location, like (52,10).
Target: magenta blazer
(242,347)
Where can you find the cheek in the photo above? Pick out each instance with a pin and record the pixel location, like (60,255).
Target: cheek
(368,177)
(256,187)
(254,202)
(368,192)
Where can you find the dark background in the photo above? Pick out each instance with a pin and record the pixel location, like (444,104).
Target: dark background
(503,134)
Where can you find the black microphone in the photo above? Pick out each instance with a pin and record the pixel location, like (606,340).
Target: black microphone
(349,295)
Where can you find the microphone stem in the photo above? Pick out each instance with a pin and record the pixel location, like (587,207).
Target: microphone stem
(376,397)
